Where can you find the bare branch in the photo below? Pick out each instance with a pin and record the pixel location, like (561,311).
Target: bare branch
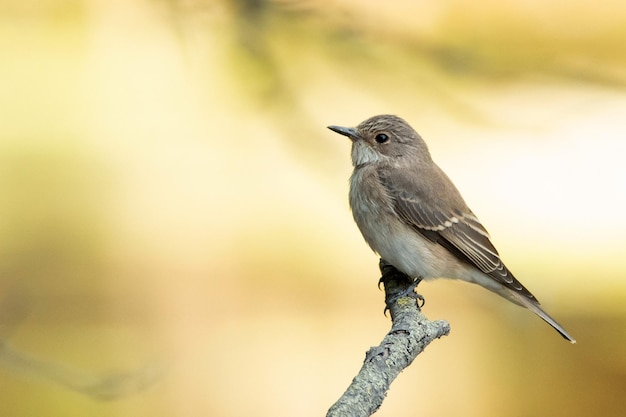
(410,333)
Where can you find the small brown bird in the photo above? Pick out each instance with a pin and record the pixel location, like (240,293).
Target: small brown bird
(412,215)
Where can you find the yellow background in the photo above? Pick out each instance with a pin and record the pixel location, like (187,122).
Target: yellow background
(172,207)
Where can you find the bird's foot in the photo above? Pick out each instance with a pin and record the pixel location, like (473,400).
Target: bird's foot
(407,293)
(398,285)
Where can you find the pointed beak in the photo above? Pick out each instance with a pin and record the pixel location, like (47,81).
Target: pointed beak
(346,131)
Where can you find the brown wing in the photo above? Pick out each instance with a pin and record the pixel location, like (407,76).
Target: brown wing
(436,209)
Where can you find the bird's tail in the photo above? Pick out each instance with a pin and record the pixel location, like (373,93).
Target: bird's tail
(533,306)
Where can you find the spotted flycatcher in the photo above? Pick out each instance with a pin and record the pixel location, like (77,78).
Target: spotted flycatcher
(412,215)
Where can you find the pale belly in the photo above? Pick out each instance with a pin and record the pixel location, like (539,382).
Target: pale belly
(399,245)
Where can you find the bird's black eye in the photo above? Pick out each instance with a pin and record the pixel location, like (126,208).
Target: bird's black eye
(382,138)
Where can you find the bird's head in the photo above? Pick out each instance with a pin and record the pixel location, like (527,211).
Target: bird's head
(384,137)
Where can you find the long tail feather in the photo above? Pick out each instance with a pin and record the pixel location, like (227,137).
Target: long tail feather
(534,307)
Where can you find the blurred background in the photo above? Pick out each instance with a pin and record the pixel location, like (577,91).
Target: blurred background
(175,236)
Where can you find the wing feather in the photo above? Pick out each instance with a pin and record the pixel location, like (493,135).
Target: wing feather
(443,217)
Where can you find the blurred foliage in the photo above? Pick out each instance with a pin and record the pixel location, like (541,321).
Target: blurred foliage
(492,42)
(273,47)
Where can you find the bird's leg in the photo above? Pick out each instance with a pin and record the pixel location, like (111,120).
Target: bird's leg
(398,285)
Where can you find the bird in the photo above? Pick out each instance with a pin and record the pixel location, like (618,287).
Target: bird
(412,215)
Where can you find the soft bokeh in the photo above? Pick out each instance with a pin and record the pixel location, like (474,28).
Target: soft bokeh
(175,236)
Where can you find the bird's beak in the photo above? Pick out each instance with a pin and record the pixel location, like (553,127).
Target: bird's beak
(346,131)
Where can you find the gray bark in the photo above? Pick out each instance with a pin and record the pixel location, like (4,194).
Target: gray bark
(410,333)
